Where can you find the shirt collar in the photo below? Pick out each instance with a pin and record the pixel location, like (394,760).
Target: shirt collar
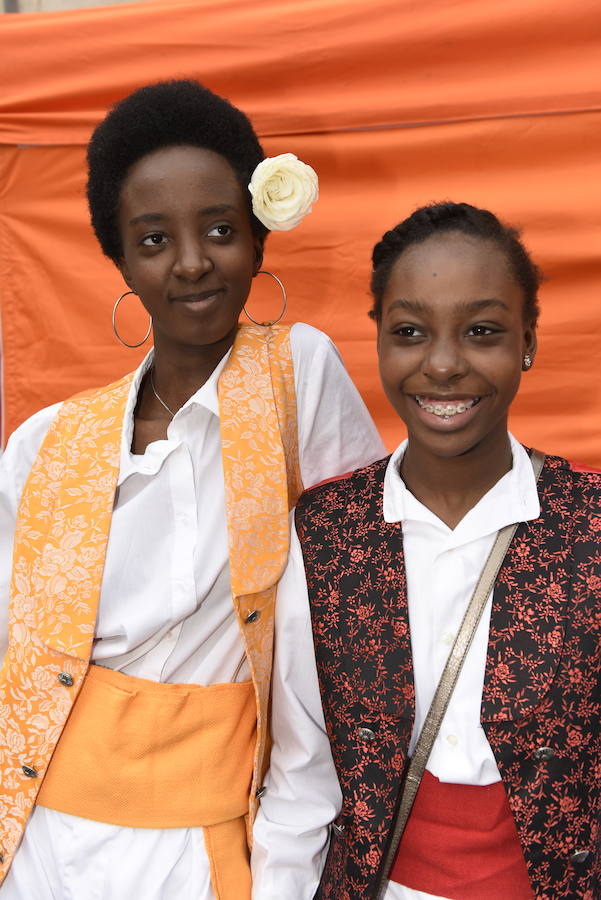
(205,396)
(514,498)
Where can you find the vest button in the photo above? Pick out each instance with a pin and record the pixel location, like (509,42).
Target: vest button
(366,734)
(542,754)
(580,856)
(259,793)
(253,617)
(31,773)
(1,858)
(66,679)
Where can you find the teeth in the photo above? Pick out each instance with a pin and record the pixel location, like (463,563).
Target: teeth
(447,410)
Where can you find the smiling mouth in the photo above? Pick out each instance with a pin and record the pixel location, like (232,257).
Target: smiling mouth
(197,297)
(445,409)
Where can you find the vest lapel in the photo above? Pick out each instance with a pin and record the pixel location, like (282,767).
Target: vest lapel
(64,521)
(528,615)
(257,410)
(254,461)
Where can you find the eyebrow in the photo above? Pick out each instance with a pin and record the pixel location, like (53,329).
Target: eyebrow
(419,308)
(152,217)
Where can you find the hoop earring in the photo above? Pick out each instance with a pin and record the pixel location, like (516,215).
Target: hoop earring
(283,290)
(120,339)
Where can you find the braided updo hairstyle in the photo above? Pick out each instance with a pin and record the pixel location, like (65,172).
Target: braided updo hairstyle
(439,218)
(165,114)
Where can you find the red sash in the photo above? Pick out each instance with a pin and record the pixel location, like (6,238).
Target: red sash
(461,842)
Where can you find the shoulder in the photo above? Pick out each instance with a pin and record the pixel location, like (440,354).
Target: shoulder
(575,492)
(582,477)
(336,494)
(107,393)
(310,346)
(31,432)
(22,448)
(587,495)
(26,441)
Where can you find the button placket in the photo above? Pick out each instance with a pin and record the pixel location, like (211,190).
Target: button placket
(183,498)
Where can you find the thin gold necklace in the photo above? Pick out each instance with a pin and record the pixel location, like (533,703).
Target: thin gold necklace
(154,391)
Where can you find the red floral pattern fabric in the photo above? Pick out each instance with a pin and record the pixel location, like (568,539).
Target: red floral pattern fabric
(540,705)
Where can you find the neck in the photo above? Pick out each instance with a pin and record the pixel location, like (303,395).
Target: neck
(451,486)
(180,371)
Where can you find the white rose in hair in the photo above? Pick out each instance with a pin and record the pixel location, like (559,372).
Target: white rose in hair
(283,190)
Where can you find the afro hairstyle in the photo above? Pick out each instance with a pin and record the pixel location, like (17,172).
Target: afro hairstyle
(165,114)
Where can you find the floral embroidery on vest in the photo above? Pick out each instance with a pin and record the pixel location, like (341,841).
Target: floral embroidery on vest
(540,706)
(60,545)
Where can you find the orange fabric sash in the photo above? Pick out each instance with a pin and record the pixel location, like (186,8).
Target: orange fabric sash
(140,753)
(144,754)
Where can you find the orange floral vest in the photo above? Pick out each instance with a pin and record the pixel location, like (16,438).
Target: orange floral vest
(60,546)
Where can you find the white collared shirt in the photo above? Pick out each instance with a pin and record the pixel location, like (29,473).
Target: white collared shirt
(165,610)
(442,567)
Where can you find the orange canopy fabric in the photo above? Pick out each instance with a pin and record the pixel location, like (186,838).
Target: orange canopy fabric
(394,102)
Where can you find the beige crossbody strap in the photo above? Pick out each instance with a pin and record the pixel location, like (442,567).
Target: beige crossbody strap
(449,677)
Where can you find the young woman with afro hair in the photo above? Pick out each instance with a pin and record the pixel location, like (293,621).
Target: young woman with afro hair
(147,525)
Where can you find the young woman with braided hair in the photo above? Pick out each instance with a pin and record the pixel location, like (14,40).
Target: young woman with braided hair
(384,565)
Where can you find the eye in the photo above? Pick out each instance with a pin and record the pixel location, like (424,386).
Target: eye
(482,330)
(153,240)
(221,231)
(408,331)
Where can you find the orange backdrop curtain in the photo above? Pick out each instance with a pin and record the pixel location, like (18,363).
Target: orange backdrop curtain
(394,103)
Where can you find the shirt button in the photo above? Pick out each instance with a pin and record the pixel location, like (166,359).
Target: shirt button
(542,754)
(366,734)
(452,740)
(447,638)
(253,616)
(66,679)
(580,856)
(29,771)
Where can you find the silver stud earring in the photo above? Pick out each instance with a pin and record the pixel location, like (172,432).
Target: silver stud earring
(527,361)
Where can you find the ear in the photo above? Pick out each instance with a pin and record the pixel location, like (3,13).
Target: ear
(378,321)
(530,344)
(122,266)
(258,261)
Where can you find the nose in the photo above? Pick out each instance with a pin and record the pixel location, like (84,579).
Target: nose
(444,360)
(192,260)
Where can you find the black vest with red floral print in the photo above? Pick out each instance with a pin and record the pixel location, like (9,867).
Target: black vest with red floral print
(540,705)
